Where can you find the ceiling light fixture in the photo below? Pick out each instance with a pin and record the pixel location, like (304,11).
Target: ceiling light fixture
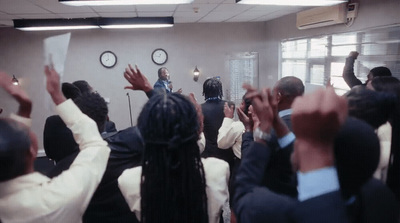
(92,23)
(54,24)
(123,2)
(136,22)
(292,2)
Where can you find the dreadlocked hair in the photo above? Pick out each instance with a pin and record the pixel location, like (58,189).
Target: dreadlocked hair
(212,87)
(173,180)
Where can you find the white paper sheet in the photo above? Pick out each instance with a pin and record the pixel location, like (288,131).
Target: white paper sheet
(55,51)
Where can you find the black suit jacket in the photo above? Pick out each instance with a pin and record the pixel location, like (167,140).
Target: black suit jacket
(108,204)
(213,111)
(279,176)
(256,203)
(375,203)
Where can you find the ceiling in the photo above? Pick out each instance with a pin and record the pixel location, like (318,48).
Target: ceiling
(208,11)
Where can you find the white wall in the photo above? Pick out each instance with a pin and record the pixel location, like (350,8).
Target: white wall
(188,45)
(372,13)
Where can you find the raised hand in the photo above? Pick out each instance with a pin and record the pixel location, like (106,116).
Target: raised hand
(316,119)
(318,116)
(353,54)
(53,85)
(228,111)
(137,80)
(246,120)
(25,103)
(261,102)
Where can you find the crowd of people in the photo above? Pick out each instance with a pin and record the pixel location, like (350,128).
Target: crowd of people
(291,157)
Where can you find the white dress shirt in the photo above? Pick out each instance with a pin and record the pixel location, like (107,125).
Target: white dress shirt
(201,142)
(36,198)
(230,135)
(384,133)
(216,175)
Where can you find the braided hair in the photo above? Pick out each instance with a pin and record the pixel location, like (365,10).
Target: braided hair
(173,180)
(212,87)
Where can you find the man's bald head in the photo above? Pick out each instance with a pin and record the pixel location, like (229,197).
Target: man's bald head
(288,88)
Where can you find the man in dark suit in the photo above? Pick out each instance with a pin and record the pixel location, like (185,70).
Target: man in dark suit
(319,195)
(163,84)
(213,111)
(279,175)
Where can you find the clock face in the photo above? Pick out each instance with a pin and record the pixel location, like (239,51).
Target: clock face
(108,59)
(159,56)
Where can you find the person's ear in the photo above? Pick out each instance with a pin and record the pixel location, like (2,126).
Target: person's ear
(278,97)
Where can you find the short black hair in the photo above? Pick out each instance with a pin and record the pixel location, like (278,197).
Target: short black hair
(212,87)
(386,84)
(83,86)
(373,107)
(160,71)
(380,72)
(70,90)
(290,86)
(14,147)
(94,106)
(58,140)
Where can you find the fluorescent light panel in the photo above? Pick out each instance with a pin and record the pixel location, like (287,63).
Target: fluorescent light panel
(136,22)
(93,23)
(292,2)
(47,28)
(135,26)
(123,2)
(54,24)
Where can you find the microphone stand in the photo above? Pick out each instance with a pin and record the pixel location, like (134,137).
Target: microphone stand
(130,109)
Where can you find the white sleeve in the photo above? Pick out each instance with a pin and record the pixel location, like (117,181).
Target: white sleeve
(73,189)
(217,176)
(201,142)
(228,134)
(129,185)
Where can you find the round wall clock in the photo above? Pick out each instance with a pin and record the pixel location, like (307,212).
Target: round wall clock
(159,56)
(108,59)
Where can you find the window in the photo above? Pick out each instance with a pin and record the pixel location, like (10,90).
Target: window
(316,60)
(243,68)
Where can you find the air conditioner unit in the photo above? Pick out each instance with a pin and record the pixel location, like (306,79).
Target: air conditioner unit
(322,16)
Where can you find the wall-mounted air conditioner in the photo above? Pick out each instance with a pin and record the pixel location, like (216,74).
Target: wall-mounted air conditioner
(322,16)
